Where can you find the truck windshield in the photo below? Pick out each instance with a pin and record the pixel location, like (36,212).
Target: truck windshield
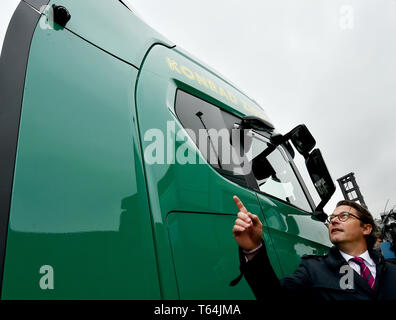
(274,173)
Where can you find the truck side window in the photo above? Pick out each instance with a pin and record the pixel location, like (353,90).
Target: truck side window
(274,174)
(211,127)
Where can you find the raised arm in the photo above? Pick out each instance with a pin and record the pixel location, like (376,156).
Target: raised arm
(256,266)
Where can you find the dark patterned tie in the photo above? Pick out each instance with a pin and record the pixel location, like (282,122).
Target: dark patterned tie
(365,272)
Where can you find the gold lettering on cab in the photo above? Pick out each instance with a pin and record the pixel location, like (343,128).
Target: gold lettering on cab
(214,87)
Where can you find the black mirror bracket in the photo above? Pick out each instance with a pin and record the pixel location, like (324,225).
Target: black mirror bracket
(320,215)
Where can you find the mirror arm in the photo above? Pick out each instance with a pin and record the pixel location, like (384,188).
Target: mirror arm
(320,206)
(288,135)
(320,215)
(278,139)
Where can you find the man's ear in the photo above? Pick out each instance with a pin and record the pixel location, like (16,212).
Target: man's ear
(367,228)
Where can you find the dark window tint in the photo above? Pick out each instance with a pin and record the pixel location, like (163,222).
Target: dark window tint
(211,130)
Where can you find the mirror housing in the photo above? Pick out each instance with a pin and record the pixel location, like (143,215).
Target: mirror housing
(301,138)
(256,123)
(321,179)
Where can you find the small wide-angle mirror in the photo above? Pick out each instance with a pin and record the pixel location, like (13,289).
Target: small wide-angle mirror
(302,139)
(320,177)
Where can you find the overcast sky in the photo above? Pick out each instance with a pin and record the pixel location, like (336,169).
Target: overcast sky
(328,64)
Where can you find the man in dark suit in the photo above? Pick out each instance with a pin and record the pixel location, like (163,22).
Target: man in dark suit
(352,270)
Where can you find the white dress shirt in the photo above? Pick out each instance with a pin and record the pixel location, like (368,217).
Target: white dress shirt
(367,260)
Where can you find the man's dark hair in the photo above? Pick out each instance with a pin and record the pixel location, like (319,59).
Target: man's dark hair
(366,217)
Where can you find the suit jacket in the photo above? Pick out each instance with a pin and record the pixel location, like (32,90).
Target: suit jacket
(317,278)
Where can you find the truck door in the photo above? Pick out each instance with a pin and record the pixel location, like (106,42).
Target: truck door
(189,186)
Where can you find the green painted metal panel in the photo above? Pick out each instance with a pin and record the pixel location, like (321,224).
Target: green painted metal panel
(294,233)
(79,200)
(204,271)
(205,256)
(112,27)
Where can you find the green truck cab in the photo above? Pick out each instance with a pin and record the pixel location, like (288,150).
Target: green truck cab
(107,190)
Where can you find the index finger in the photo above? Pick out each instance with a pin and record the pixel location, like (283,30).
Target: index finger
(239,204)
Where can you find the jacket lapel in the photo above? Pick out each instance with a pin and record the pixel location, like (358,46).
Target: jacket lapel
(335,261)
(380,266)
(363,284)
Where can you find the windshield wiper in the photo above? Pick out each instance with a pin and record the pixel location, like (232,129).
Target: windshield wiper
(199,114)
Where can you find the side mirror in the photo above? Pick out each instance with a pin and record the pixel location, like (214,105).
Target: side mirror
(320,177)
(301,138)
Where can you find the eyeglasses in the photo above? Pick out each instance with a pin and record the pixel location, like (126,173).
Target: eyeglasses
(343,216)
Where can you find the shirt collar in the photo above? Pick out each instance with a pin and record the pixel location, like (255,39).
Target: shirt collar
(365,256)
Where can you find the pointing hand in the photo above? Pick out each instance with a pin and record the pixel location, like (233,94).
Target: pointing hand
(248,229)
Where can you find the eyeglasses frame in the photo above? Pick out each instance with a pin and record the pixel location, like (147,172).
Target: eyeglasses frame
(331,217)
